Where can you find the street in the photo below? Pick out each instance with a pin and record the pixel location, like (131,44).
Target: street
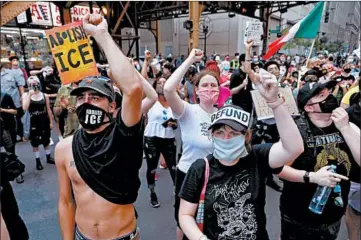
(38,195)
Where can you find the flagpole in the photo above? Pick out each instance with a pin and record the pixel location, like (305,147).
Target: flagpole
(308,59)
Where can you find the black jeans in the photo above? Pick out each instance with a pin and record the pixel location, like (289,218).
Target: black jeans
(7,141)
(293,230)
(153,147)
(10,211)
(19,124)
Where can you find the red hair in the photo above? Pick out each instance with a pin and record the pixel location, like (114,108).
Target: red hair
(213,66)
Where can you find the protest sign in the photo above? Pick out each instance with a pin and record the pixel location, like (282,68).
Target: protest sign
(264,112)
(72,52)
(254,31)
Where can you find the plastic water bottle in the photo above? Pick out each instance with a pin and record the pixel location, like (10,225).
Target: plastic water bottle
(321,196)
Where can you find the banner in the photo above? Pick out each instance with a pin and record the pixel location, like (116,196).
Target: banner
(72,52)
(254,31)
(264,112)
(43,13)
(77,13)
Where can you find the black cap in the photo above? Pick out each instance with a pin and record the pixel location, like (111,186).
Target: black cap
(101,85)
(311,89)
(232,116)
(13,57)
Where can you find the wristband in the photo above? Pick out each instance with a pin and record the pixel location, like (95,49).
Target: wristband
(281,99)
(306,177)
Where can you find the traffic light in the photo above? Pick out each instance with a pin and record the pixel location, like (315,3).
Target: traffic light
(269,34)
(327,17)
(188,25)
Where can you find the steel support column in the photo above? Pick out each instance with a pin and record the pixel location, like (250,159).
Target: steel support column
(136,30)
(154,28)
(195,11)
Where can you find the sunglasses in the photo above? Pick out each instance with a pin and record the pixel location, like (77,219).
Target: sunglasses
(311,78)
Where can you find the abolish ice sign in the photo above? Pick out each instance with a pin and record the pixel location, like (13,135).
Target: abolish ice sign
(72,52)
(254,31)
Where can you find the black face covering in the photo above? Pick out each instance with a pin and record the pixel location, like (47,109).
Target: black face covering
(35,87)
(91,117)
(347,70)
(330,59)
(329,104)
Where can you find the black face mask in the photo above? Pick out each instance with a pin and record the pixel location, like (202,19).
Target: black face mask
(324,72)
(347,70)
(329,104)
(35,87)
(91,117)
(330,59)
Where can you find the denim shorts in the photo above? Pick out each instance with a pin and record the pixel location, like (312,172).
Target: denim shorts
(354,198)
(131,236)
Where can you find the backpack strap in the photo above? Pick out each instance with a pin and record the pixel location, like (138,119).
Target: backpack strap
(200,211)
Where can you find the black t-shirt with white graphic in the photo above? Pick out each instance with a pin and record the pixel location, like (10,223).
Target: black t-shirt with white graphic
(235,195)
(354,113)
(296,197)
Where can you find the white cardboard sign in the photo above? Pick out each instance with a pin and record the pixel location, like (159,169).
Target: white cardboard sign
(254,31)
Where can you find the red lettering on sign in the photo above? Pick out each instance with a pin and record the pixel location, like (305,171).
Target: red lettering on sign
(75,10)
(35,11)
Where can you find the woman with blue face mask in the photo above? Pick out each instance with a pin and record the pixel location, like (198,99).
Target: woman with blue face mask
(223,195)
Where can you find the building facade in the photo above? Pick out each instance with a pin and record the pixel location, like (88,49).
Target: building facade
(226,34)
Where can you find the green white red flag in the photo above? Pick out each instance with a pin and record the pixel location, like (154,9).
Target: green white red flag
(306,28)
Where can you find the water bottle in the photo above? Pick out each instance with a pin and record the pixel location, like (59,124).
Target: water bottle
(321,196)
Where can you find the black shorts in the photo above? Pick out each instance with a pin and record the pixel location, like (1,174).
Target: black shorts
(293,230)
(39,135)
(179,178)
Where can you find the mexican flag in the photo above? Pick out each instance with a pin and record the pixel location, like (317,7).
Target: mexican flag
(306,28)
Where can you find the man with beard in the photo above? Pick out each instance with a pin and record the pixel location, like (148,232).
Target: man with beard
(329,139)
(101,162)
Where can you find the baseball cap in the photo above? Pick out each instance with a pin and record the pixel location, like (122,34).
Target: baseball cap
(232,116)
(101,85)
(311,89)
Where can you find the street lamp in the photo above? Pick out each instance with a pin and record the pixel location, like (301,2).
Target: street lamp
(205,31)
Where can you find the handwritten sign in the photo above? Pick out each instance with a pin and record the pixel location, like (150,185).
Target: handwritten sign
(254,31)
(79,12)
(72,52)
(264,112)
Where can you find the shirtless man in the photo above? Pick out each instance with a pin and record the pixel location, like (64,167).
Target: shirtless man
(101,162)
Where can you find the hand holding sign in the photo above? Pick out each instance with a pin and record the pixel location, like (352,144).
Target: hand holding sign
(267,86)
(249,44)
(95,24)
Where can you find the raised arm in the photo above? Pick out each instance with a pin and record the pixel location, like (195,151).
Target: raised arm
(247,65)
(349,131)
(122,70)
(66,206)
(36,72)
(171,86)
(151,95)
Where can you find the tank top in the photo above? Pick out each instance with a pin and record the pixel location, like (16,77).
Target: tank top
(37,110)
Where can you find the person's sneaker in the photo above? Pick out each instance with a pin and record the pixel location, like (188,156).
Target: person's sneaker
(154,200)
(19,179)
(51,142)
(50,160)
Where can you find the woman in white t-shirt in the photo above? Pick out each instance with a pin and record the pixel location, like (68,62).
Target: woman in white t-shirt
(194,119)
(159,138)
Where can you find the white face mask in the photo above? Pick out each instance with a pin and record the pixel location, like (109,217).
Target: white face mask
(231,149)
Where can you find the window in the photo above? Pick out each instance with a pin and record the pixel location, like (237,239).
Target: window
(168,50)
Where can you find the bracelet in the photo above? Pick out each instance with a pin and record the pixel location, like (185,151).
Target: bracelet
(276,103)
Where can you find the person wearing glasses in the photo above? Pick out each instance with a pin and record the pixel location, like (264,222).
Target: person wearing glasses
(38,105)
(100,163)
(159,139)
(329,139)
